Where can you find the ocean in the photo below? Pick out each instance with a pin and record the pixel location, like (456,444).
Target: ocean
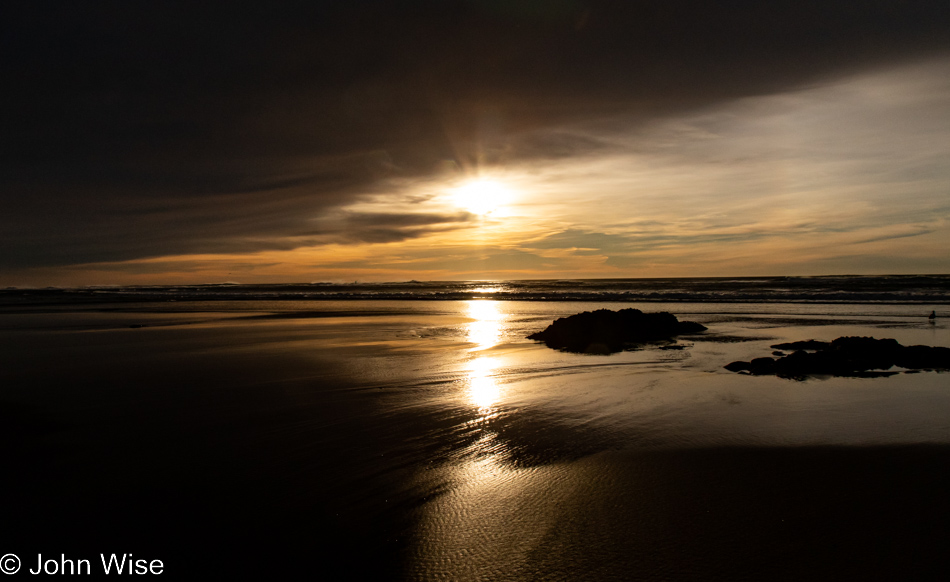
(410,431)
(828,289)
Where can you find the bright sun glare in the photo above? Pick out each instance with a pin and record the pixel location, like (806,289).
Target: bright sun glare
(481,196)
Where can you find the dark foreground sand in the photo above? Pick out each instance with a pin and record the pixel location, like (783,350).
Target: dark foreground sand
(720,514)
(230,450)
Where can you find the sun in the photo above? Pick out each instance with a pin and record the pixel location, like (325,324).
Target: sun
(481,196)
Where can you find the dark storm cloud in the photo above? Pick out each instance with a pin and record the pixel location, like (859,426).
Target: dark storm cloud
(387,227)
(138,130)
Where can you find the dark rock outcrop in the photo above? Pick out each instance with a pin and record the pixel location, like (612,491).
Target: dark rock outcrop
(803,345)
(606,332)
(846,356)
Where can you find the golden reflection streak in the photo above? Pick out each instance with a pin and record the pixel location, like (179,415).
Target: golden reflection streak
(485,333)
(483,389)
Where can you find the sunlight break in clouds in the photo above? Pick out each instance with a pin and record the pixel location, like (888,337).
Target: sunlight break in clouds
(481,196)
(849,176)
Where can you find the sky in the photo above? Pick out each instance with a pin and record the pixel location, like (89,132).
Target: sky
(187,142)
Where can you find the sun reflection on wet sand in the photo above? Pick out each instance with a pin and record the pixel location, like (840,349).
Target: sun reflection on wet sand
(485,332)
(491,522)
(482,464)
(483,388)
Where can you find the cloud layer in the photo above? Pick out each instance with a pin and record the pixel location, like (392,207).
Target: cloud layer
(175,129)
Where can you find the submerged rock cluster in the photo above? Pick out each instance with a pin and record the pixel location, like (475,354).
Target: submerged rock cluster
(606,332)
(845,356)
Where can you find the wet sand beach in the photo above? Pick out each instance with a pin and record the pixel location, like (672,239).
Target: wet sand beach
(431,441)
